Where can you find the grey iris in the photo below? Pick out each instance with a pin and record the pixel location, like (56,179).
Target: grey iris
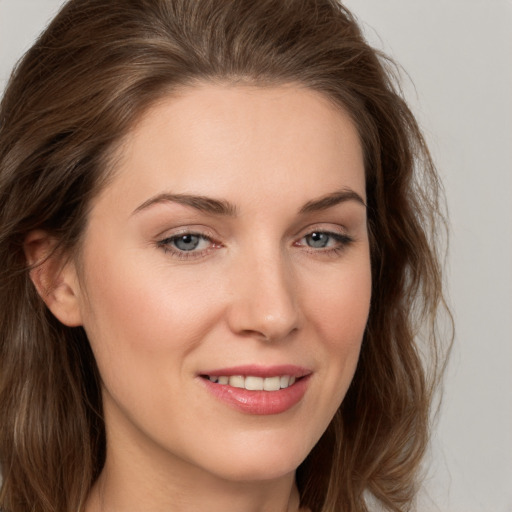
(187,242)
(317,240)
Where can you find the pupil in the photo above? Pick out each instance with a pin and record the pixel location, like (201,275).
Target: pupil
(318,240)
(187,242)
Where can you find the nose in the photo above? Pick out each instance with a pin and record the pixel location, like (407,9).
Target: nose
(264,303)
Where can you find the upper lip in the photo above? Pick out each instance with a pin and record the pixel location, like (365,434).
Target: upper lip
(259,371)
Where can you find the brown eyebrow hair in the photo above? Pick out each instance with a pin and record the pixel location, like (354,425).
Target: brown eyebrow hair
(222,207)
(331,200)
(202,203)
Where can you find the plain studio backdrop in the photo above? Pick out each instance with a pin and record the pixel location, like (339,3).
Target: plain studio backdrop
(457,56)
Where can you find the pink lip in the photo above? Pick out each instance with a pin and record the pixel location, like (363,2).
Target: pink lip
(259,402)
(260,371)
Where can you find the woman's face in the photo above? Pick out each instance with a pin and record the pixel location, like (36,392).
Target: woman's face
(231,244)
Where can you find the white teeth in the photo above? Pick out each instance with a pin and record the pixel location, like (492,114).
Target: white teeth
(237,381)
(252,383)
(284,381)
(272,384)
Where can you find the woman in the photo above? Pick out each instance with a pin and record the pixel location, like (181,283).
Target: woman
(216,256)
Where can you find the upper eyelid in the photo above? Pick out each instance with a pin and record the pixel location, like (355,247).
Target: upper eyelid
(335,229)
(334,234)
(339,237)
(180,235)
(169,239)
(207,233)
(183,233)
(186,230)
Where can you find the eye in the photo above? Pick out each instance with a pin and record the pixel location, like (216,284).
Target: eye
(318,239)
(324,241)
(187,244)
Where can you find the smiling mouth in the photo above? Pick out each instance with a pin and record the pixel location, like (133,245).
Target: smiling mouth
(256,389)
(253,383)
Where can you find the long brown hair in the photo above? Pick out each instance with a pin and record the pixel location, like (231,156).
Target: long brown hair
(91,74)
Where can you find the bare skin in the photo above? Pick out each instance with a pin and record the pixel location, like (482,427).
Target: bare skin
(233,233)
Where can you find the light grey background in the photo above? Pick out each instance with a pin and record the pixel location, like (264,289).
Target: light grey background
(458,55)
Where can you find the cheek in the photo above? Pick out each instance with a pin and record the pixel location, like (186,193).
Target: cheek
(339,315)
(137,311)
(143,320)
(340,306)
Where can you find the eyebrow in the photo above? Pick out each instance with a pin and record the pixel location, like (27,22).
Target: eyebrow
(330,200)
(225,208)
(201,203)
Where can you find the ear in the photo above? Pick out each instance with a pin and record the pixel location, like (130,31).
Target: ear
(54,277)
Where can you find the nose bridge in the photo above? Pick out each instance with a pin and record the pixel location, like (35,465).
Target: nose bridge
(264,302)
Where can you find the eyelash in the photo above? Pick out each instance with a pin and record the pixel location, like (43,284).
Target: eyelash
(166,244)
(342,242)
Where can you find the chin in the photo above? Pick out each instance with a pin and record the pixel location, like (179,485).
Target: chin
(269,470)
(259,463)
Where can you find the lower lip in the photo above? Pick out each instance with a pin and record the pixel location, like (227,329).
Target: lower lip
(259,402)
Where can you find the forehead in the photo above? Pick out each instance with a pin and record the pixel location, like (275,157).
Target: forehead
(220,139)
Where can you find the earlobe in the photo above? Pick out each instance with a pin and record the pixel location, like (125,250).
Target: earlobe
(54,277)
